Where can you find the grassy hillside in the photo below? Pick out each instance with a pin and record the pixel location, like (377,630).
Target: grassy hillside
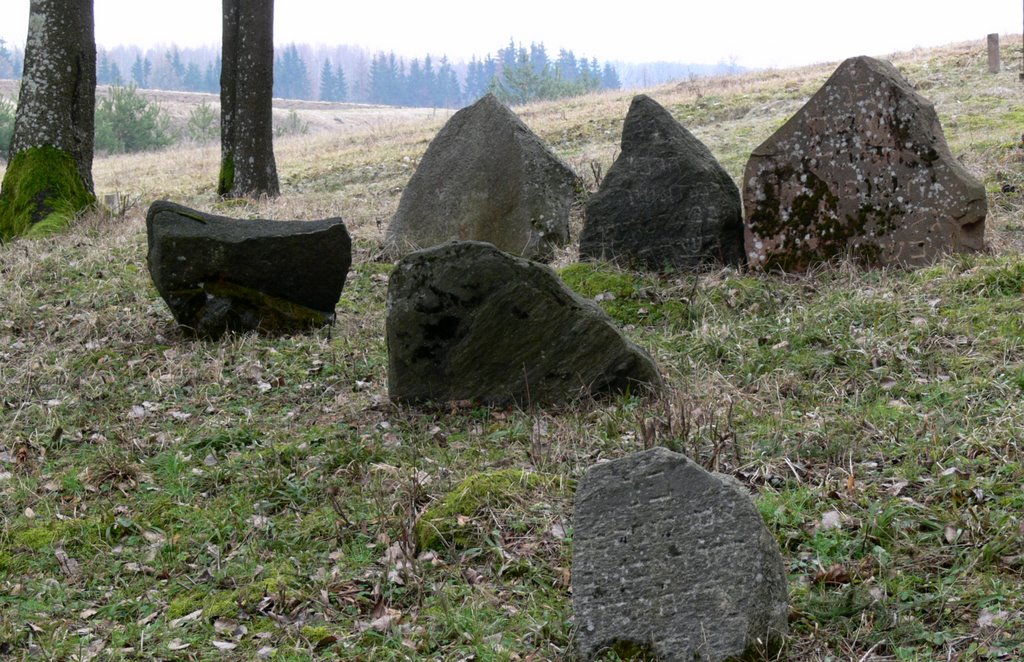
(162,497)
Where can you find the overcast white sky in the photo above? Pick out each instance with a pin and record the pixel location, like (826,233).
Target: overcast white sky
(757,33)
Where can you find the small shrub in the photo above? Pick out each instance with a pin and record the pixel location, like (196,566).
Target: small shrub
(203,125)
(292,125)
(7,110)
(126,122)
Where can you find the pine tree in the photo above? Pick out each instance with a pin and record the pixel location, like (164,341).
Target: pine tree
(6,61)
(566,66)
(193,80)
(413,94)
(340,85)
(291,78)
(539,58)
(327,81)
(610,78)
(102,69)
(449,91)
(141,71)
(115,74)
(211,79)
(429,95)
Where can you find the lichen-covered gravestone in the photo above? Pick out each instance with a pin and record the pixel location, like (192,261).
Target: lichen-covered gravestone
(486,177)
(222,274)
(862,169)
(666,202)
(466,321)
(675,562)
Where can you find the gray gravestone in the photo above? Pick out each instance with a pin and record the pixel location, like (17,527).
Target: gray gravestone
(675,562)
(863,170)
(666,202)
(466,321)
(486,177)
(220,274)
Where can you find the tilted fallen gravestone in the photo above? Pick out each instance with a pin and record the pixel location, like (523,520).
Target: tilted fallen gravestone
(863,170)
(466,321)
(673,562)
(486,177)
(666,202)
(220,274)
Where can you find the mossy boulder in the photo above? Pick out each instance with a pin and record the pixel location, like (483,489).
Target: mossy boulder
(221,274)
(42,193)
(464,517)
(466,321)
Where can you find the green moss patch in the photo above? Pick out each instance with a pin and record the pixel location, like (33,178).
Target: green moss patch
(42,193)
(226,180)
(624,295)
(460,519)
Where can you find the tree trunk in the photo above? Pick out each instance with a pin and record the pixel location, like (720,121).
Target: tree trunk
(246,89)
(49,176)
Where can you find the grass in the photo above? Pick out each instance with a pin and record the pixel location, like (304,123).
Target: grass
(215,500)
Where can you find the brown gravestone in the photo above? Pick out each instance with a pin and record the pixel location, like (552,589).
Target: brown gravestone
(862,170)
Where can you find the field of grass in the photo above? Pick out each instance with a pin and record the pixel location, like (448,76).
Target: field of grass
(257,498)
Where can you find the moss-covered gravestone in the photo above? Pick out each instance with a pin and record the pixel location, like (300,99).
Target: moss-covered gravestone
(466,321)
(862,170)
(49,177)
(221,274)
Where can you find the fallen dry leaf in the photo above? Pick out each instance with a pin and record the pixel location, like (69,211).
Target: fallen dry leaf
(68,565)
(989,619)
(225,645)
(187,618)
(835,575)
(177,645)
(951,533)
(833,519)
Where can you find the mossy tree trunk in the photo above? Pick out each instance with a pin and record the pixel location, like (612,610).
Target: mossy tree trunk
(49,176)
(246,90)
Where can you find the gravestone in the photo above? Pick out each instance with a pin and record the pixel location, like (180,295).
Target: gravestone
(993,53)
(220,274)
(862,170)
(665,202)
(486,177)
(466,321)
(673,562)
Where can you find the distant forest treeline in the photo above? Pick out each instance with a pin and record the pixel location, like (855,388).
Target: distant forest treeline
(517,74)
(344,73)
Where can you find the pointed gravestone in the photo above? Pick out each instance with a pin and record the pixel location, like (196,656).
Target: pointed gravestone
(220,274)
(666,202)
(466,321)
(673,563)
(486,177)
(862,169)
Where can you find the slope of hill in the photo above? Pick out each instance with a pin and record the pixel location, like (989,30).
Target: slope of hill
(168,498)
